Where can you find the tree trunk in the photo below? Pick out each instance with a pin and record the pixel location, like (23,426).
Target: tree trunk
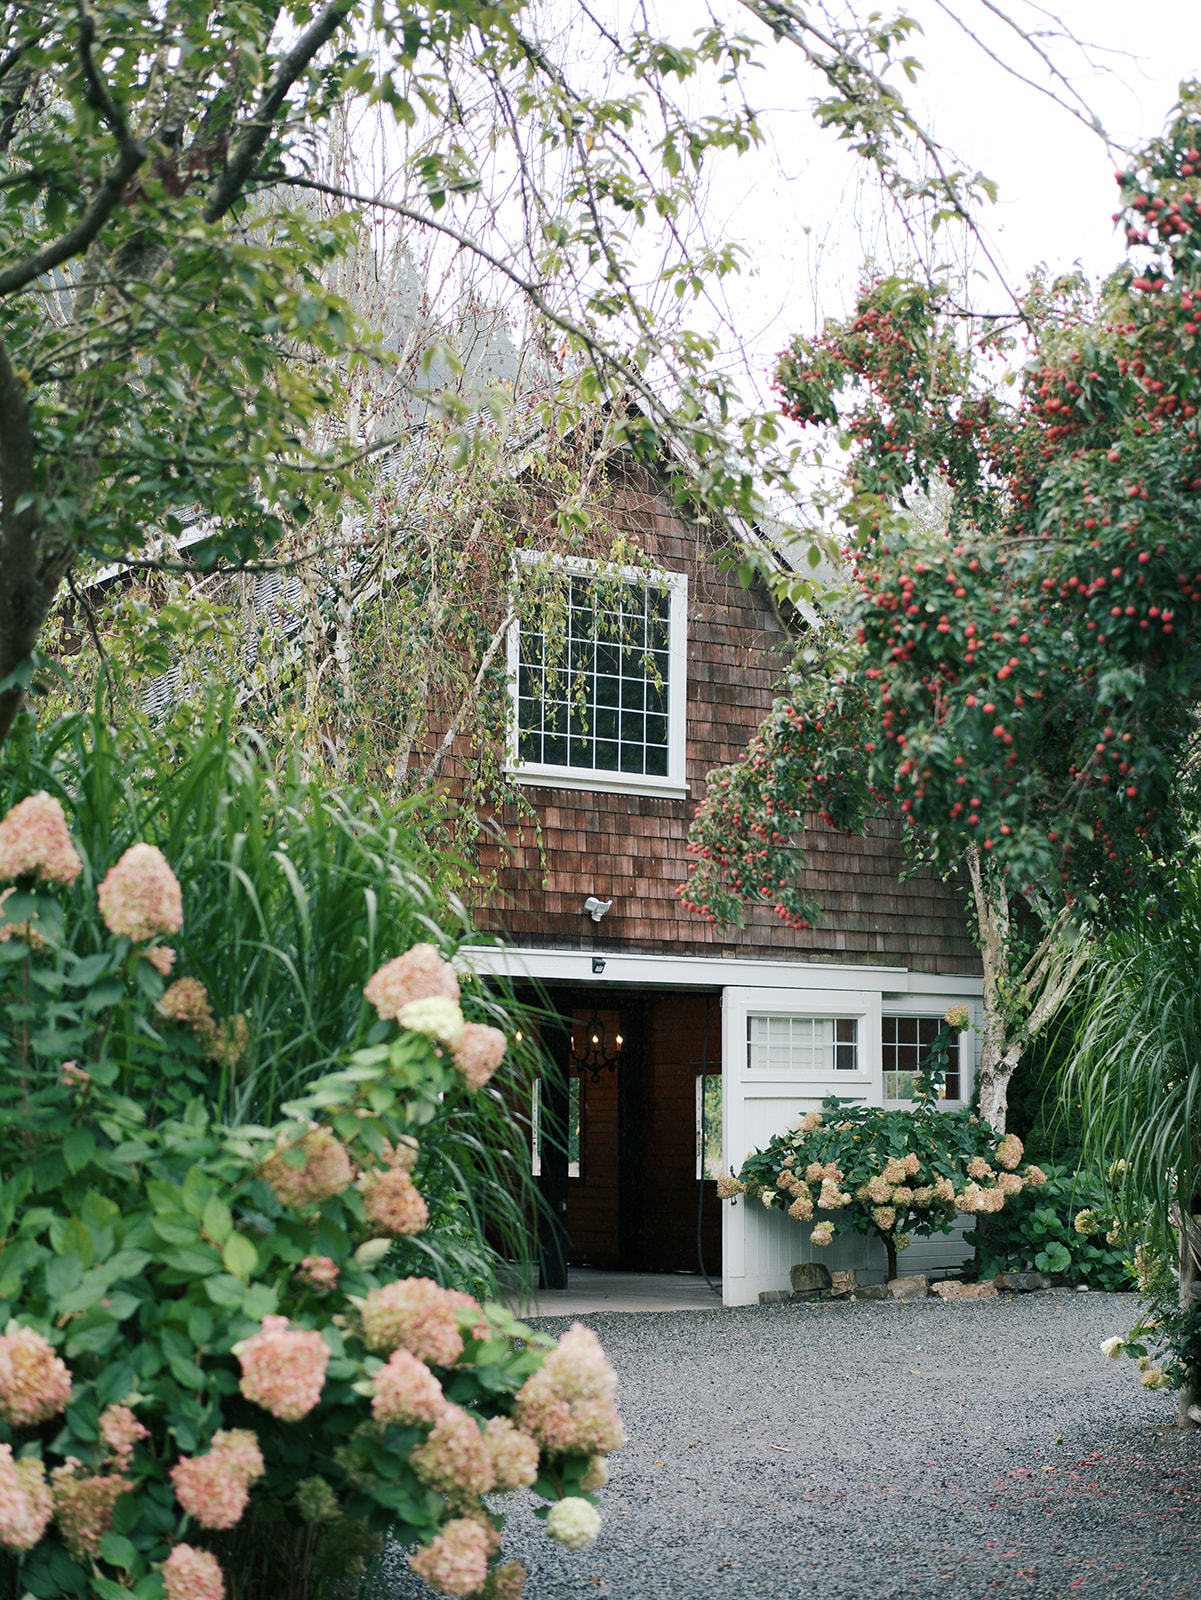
(1188,1230)
(997,1066)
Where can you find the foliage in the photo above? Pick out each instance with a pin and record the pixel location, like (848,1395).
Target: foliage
(893,1175)
(293,894)
(1136,1071)
(1067,1226)
(147,1242)
(207,230)
(1166,1339)
(1021,681)
(384,665)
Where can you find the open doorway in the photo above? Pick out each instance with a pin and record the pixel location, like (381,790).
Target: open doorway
(640,1108)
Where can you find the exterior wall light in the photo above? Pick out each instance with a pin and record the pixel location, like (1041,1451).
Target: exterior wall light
(596,908)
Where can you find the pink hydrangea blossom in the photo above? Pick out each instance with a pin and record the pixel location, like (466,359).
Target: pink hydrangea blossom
(456,1562)
(1010,1183)
(568,1403)
(454,1458)
(728,1186)
(884,1217)
(832,1198)
(416,1315)
(319,1272)
(811,1120)
(1010,1151)
(327,1171)
(801,1209)
(1035,1176)
(187,1001)
(140,896)
(215,1487)
(514,1454)
(83,1505)
(418,974)
(239,1448)
(393,1204)
(208,1490)
(406,1391)
(822,1235)
(161,957)
(34,842)
(191,1574)
(479,1052)
(283,1369)
(34,1383)
(120,1431)
(26,1503)
(979,1168)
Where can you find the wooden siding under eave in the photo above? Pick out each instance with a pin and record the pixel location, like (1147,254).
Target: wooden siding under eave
(633,848)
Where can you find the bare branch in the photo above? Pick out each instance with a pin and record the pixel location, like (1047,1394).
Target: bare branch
(452,731)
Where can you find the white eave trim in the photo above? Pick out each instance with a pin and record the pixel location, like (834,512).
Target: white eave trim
(628,969)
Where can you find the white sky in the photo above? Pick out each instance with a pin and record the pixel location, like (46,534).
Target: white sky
(798,207)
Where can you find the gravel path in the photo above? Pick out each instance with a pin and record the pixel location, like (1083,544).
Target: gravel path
(967,1450)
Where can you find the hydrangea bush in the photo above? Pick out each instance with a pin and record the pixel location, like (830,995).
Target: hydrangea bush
(891,1174)
(1067,1226)
(210,1381)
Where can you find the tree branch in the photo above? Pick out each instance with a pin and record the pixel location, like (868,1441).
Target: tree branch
(250,146)
(448,738)
(132,154)
(22,601)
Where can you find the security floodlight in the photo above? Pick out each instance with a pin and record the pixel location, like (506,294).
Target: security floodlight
(596,908)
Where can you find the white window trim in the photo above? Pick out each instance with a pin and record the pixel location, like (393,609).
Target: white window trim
(967,1062)
(545,774)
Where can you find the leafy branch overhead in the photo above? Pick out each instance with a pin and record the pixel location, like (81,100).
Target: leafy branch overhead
(169,338)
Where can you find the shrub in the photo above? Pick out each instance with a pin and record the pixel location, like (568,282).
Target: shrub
(1066,1226)
(891,1174)
(207,1366)
(293,895)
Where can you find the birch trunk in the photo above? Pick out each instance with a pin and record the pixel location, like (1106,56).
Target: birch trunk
(1188,1231)
(1016,1006)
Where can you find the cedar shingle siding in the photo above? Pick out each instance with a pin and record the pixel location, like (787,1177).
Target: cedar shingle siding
(632,848)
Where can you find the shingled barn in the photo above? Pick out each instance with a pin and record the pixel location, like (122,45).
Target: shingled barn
(683,1045)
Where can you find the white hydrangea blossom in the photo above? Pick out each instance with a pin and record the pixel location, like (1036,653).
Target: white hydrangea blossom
(434,1015)
(573,1522)
(1113,1347)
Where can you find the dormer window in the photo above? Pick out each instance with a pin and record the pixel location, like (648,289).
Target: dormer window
(597,670)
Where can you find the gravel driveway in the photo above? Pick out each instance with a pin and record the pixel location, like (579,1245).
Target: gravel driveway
(972,1449)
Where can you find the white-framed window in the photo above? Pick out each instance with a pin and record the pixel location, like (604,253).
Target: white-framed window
(905,1048)
(599,682)
(802,1046)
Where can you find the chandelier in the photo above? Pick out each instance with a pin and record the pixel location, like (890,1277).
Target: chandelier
(595,1057)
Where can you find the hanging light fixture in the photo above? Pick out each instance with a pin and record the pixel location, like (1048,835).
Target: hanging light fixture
(595,1057)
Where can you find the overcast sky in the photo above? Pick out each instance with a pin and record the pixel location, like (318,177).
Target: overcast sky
(799,206)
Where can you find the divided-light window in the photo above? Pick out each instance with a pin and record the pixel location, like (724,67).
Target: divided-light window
(598,680)
(905,1044)
(808,1046)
